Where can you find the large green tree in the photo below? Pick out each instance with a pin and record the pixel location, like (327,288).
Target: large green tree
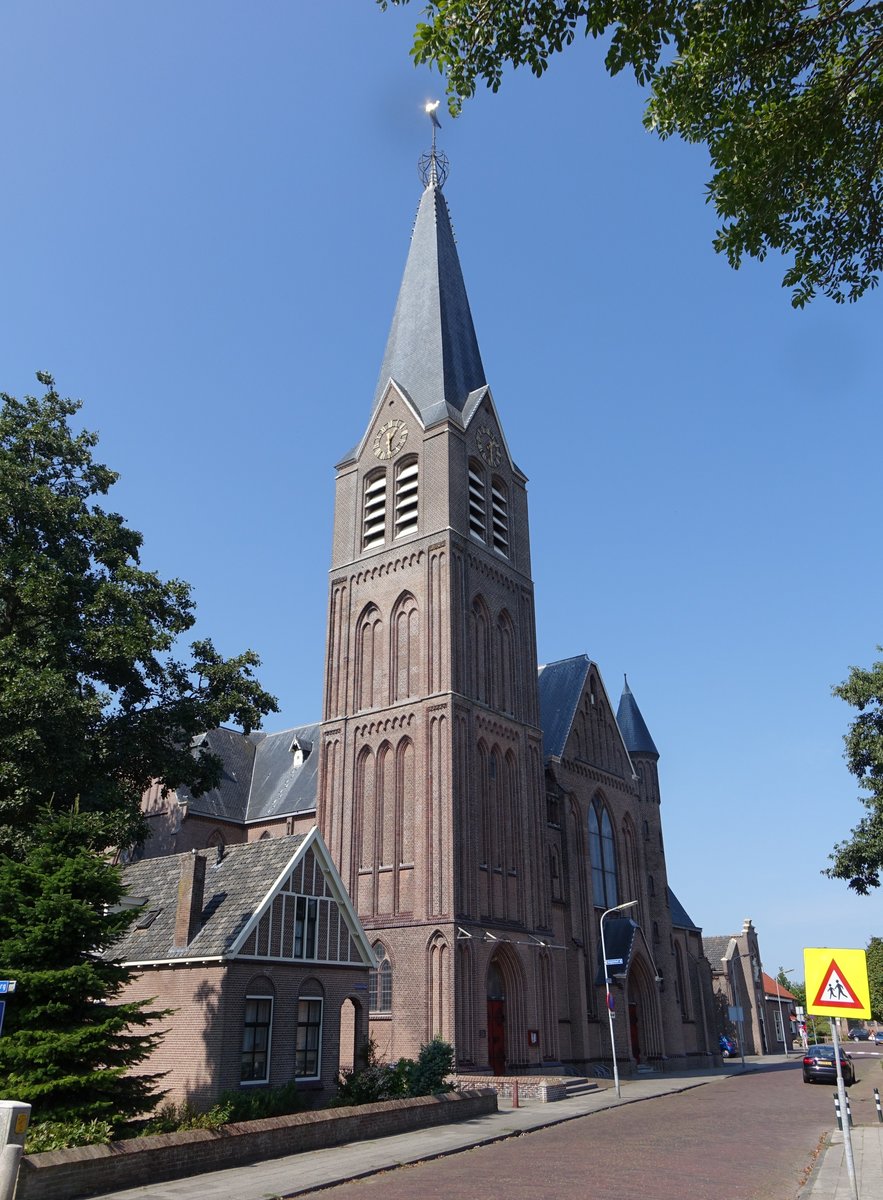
(786,95)
(96,702)
(860,859)
(69,1043)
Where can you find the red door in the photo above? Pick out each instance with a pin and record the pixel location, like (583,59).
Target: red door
(496,1036)
(633,1032)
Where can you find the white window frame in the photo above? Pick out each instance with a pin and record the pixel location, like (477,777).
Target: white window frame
(320,1000)
(269,1051)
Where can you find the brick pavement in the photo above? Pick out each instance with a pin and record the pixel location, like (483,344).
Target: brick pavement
(712,1136)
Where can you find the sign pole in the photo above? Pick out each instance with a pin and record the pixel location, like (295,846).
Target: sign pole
(847,1131)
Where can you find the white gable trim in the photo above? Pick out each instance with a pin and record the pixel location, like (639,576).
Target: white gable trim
(313,840)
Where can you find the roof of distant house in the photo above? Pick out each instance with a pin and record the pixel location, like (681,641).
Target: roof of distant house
(772,987)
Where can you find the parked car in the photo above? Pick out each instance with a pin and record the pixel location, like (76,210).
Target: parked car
(878,1036)
(859,1035)
(819,1065)
(727,1047)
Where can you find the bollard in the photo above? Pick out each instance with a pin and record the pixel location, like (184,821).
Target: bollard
(848,1111)
(837,1111)
(515,1093)
(879,1109)
(14,1117)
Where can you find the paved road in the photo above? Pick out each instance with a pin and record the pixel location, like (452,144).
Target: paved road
(752,1137)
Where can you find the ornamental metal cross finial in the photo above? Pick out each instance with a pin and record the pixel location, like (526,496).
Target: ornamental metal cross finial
(434,165)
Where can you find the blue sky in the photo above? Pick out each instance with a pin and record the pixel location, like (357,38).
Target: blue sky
(205,212)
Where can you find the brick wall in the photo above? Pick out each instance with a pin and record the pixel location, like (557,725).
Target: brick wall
(86,1170)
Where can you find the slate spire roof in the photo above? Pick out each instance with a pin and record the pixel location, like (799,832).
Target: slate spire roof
(432,351)
(634,730)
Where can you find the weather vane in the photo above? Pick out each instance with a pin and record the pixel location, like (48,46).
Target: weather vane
(434,165)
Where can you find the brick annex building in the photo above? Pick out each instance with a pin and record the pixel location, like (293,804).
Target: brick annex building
(482,814)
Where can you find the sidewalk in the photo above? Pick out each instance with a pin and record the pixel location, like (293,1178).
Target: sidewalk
(830,1180)
(299,1173)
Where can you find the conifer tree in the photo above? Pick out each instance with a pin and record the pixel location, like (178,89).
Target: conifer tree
(68,1042)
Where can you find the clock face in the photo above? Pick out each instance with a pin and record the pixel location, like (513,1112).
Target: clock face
(390,438)
(489,446)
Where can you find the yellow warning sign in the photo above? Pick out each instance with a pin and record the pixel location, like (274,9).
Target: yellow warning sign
(837,983)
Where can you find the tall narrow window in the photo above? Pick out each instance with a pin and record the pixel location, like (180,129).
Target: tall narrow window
(500,516)
(309,1037)
(477,502)
(406,497)
(380,982)
(305,927)
(374,517)
(256,1039)
(602,851)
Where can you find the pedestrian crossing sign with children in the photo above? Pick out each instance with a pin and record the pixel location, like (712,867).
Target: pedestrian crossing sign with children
(837,983)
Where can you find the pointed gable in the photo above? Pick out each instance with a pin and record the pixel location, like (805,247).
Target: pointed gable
(577,717)
(306,916)
(432,352)
(561,685)
(247,888)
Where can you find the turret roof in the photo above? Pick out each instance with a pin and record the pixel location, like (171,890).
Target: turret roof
(634,729)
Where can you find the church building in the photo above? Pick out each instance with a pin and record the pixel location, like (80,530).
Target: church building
(482,813)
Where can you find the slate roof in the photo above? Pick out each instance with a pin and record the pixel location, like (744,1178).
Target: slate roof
(234,889)
(259,778)
(432,351)
(679,916)
(715,950)
(634,731)
(560,687)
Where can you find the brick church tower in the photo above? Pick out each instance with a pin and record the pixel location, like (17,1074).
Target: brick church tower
(431,787)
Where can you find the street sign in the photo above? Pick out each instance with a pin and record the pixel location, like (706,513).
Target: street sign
(7,985)
(837,983)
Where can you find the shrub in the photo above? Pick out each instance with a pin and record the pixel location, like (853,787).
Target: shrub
(434,1064)
(393,1081)
(257,1103)
(58,1135)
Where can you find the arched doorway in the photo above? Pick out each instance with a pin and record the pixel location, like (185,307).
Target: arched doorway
(496,1020)
(645,1031)
(352,1035)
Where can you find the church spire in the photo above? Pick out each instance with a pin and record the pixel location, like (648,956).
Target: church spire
(634,730)
(432,351)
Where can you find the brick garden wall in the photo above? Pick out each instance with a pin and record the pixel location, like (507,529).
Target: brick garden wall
(87,1170)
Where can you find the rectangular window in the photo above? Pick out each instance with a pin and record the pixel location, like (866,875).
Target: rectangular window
(780,1031)
(309,1038)
(256,1039)
(305,927)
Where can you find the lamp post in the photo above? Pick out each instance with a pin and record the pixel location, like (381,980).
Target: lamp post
(782,971)
(737,996)
(606,913)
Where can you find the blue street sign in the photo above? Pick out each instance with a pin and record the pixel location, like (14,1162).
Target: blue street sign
(2,1014)
(7,985)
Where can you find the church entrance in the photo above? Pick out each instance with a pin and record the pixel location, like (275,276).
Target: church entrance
(496,1021)
(634,1036)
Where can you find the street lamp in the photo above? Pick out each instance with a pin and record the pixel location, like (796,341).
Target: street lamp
(737,996)
(606,913)
(782,971)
